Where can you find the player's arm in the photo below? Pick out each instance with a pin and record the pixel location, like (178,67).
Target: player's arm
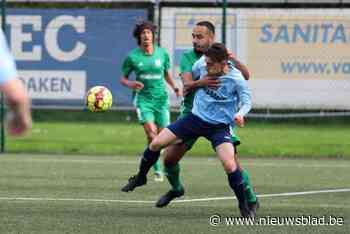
(167,76)
(127,68)
(19,118)
(186,74)
(240,66)
(188,80)
(171,83)
(245,101)
(206,81)
(135,85)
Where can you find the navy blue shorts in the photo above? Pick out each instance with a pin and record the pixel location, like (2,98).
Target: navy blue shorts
(192,127)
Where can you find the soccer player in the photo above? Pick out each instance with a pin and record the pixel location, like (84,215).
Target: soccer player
(203,36)
(212,113)
(150,64)
(19,117)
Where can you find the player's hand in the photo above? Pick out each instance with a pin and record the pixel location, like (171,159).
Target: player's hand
(231,55)
(210,82)
(239,120)
(136,85)
(18,123)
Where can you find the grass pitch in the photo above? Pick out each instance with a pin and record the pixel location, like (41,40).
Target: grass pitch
(262,139)
(81,194)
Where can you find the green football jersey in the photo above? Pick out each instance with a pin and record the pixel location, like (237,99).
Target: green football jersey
(186,63)
(149,69)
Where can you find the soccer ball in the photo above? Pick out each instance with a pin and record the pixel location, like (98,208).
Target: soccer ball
(98,99)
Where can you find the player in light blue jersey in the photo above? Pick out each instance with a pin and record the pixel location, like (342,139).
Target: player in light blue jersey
(19,117)
(213,111)
(219,105)
(7,63)
(203,35)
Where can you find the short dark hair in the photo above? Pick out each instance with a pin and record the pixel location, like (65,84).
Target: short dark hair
(142,25)
(217,52)
(208,25)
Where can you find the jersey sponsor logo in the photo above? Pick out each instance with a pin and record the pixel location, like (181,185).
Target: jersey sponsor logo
(140,64)
(214,94)
(150,76)
(158,63)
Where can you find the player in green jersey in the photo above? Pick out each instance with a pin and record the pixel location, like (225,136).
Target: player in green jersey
(203,36)
(150,64)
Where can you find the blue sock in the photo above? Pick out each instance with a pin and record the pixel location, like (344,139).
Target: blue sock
(235,180)
(149,158)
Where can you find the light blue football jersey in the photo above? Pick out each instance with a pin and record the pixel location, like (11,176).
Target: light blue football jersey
(7,63)
(222,104)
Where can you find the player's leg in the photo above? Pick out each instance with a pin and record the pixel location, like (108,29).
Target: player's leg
(152,153)
(180,129)
(252,199)
(147,117)
(150,157)
(249,190)
(221,142)
(162,119)
(225,151)
(151,132)
(173,154)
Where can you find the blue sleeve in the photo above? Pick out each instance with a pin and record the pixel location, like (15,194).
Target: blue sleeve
(244,96)
(7,64)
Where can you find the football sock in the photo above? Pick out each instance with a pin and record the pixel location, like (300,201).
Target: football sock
(172,173)
(148,159)
(156,166)
(249,191)
(235,180)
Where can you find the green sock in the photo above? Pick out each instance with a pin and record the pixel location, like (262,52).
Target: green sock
(156,166)
(173,174)
(249,191)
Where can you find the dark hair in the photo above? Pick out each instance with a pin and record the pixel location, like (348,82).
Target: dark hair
(142,25)
(217,52)
(208,25)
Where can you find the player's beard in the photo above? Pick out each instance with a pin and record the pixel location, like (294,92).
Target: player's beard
(198,53)
(199,50)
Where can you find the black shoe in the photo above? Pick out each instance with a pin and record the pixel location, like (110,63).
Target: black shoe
(254,206)
(168,197)
(134,181)
(245,212)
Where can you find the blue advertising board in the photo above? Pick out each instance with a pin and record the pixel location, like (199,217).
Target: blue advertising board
(61,53)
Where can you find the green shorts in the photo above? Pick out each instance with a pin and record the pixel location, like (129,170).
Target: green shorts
(234,138)
(157,113)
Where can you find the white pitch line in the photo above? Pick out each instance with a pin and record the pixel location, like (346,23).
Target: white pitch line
(269,195)
(71,199)
(177,201)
